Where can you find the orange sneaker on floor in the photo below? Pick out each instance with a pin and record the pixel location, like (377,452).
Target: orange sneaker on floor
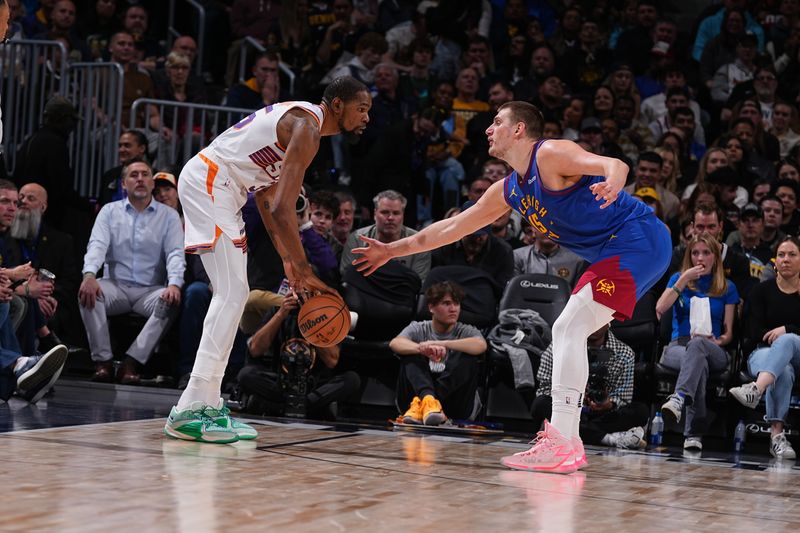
(432,413)
(551,452)
(414,413)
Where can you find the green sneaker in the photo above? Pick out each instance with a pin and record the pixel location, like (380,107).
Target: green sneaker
(222,416)
(195,424)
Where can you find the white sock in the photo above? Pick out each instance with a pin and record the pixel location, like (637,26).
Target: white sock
(566,410)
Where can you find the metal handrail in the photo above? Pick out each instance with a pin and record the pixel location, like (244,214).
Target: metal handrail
(172,32)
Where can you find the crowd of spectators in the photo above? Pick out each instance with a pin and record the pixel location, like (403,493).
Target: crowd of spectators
(704,110)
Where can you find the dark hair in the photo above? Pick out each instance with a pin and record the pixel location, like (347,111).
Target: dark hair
(272,55)
(685,111)
(418,44)
(771,198)
(141,138)
(346,88)
(742,120)
(650,157)
(326,200)
(133,160)
(438,291)
(794,239)
(707,209)
(372,40)
(526,113)
(791,184)
(672,91)
(504,84)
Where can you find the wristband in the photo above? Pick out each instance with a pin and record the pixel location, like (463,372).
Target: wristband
(678,292)
(87,275)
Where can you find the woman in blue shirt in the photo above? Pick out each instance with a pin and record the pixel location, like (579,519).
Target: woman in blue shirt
(701,275)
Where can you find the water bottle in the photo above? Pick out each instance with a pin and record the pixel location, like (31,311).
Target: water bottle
(739,436)
(656,430)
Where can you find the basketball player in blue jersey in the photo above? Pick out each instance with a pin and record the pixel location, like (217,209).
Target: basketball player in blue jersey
(575,198)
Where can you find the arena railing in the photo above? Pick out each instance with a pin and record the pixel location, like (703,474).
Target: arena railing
(191,127)
(31,71)
(95,89)
(172,31)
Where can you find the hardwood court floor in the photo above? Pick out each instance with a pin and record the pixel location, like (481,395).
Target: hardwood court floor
(125,476)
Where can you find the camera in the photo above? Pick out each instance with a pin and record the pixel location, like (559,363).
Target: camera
(597,388)
(296,359)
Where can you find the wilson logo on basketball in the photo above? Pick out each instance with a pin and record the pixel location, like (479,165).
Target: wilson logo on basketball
(310,323)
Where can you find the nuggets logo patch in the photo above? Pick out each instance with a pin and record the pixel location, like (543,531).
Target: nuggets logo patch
(606,287)
(564,273)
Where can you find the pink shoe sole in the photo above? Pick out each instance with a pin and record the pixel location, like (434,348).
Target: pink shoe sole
(561,468)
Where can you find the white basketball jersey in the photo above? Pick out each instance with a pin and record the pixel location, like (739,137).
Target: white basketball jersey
(250,150)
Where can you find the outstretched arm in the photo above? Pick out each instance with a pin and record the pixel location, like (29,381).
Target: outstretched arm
(569,161)
(489,208)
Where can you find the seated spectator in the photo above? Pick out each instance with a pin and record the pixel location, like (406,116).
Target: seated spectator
(389,207)
(45,247)
(323,209)
(466,105)
(62,26)
(787,192)
(772,329)
(369,49)
(649,196)
(694,356)
(97,26)
(721,49)
(784,117)
(174,87)
(136,21)
(740,70)
(419,82)
(132,143)
(258,382)
(610,416)
(772,208)
(747,240)
(343,224)
(648,174)
(438,361)
(788,169)
(263,89)
(136,83)
(546,256)
(30,376)
(165,190)
(139,243)
(709,219)
(481,250)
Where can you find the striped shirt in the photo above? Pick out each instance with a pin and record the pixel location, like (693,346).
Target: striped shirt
(620,371)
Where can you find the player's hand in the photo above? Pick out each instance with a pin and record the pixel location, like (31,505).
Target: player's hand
(606,190)
(773,334)
(89,292)
(373,256)
(307,286)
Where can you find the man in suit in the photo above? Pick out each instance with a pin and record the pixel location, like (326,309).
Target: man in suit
(47,248)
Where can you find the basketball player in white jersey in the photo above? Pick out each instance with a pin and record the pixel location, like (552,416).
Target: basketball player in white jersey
(266,153)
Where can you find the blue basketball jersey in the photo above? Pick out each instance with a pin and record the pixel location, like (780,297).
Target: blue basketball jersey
(571,217)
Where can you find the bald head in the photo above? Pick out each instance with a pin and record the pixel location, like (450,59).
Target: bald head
(185,45)
(32,197)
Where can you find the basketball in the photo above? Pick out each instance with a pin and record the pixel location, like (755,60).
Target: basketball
(324,320)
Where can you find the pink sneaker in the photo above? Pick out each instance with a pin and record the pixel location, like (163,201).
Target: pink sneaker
(580,453)
(551,452)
